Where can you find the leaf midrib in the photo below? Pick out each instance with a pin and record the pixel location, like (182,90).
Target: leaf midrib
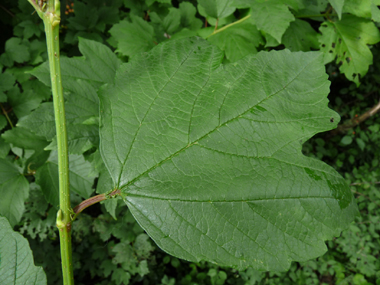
(226,201)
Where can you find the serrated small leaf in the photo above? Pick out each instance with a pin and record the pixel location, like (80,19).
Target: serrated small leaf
(188,19)
(81,107)
(217,8)
(134,37)
(29,29)
(7,81)
(17,50)
(82,103)
(41,121)
(209,156)
(300,36)
(172,21)
(23,102)
(80,138)
(16,259)
(338,6)
(238,41)
(80,173)
(24,138)
(347,41)
(14,190)
(271,16)
(97,66)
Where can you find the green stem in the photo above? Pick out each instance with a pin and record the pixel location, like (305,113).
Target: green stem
(49,11)
(229,25)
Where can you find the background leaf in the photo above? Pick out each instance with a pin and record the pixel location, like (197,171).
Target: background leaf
(347,41)
(81,177)
(217,8)
(16,259)
(338,6)
(14,189)
(300,36)
(238,41)
(271,16)
(97,66)
(132,38)
(209,156)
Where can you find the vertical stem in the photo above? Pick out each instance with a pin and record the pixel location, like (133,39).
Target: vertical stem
(51,18)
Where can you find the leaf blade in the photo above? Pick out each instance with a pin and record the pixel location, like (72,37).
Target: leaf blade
(16,266)
(199,147)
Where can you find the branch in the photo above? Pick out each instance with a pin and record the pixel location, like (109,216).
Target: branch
(356,121)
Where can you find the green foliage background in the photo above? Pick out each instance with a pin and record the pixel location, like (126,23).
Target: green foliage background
(109,246)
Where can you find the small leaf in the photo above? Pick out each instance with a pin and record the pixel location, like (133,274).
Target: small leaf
(16,259)
(338,6)
(16,51)
(23,102)
(188,19)
(80,173)
(209,158)
(238,40)
(347,41)
(7,81)
(14,190)
(217,8)
(24,138)
(276,24)
(132,38)
(41,121)
(346,140)
(300,36)
(97,66)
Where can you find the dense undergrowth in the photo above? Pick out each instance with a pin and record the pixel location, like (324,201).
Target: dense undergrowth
(117,251)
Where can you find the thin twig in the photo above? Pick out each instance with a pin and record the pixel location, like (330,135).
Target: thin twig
(6,10)
(356,121)
(368,198)
(363,183)
(6,116)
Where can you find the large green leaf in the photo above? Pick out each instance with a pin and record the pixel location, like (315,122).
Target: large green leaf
(347,40)
(16,259)
(14,190)
(208,156)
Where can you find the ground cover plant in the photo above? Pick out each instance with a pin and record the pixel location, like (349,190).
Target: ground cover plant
(191,121)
